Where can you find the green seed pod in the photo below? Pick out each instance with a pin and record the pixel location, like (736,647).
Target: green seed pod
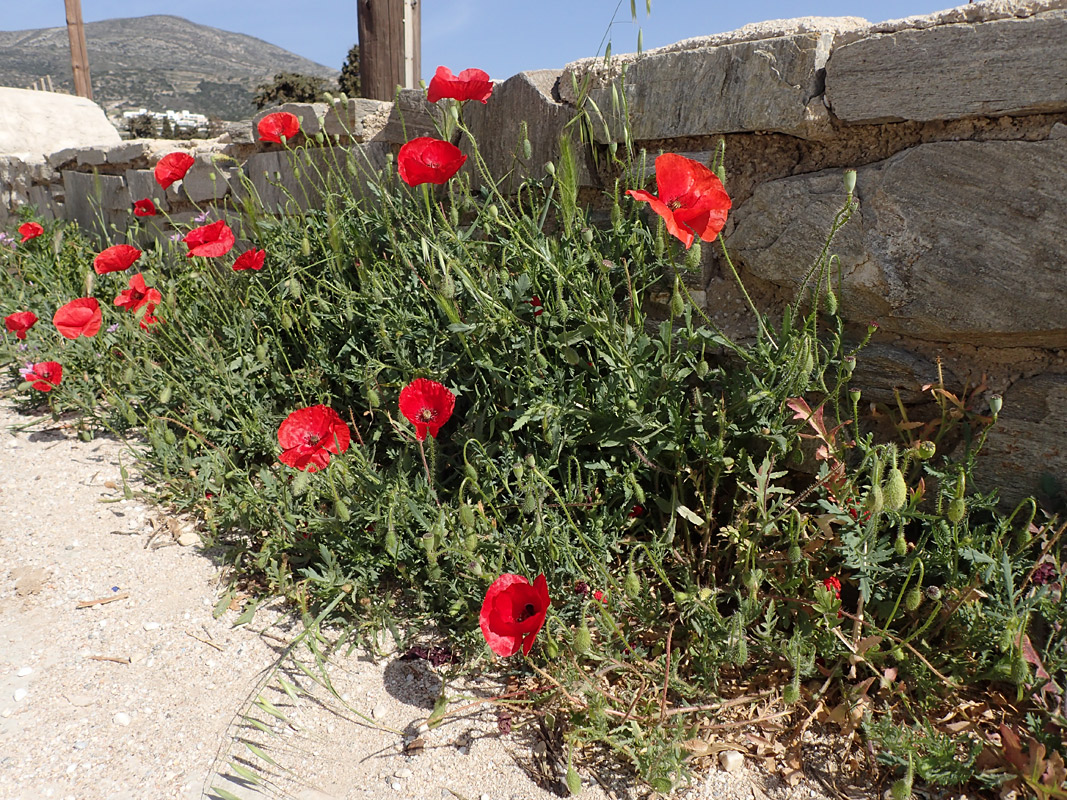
(518,471)
(587,235)
(875,500)
(895,492)
(925,450)
(471,472)
(900,546)
(957,509)
(287,321)
(996,402)
(795,554)
(169,437)
(470,543)
(583,640)
(305,247)
(551,648)
(831,303)
(791,694)
(702,369)
(631,584)
(494,212)
(466,516)
(574,781)
(850,180)
(854,396)
(692,257)
(570,355)
(340,508)
(373,400)
(913,599)
(529,503)
(550,168)
(677,301)
(127,375)
(295,289)
(164,396)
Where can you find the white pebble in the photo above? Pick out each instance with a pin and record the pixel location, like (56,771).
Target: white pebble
(150,626)
(424,728)
(379,711)
(22,673)
(403,772)
(122,718)
(395,786)
(484,797)
(731,760)
(20,695)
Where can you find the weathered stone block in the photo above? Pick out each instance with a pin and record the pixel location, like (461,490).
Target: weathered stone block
(209,179)
(366,120)
(92,156)
(318,170)
(91,199)
(309,114)
(1030,438)
(764,85)
(952,240)
(531,98)
(1007,66)
(359,119)
(42,123)
(141,183)
(129,152)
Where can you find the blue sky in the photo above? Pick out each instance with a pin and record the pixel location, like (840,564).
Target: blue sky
(499,36)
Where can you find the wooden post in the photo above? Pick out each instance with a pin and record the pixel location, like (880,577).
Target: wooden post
(79,54)
(389,43)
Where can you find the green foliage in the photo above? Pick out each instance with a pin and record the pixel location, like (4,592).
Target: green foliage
(609,436)
(348,80)
(290,87)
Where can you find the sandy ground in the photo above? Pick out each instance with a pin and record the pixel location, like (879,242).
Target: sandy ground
(145,694)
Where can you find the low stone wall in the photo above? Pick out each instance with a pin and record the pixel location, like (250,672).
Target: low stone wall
(956,124)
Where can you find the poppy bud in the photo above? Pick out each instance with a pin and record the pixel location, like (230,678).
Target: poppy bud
(896,490)
(295,289)
(956,510)
(570,356)
(896,654)
(169,437)
(127,375)
(287,321)
(720,173)
(741,655)
(900,546)
(677,301)
(996,402)
(702,369)
(795,554)
(1020,670)
(261,353)
(494,212)
(470,543)
(300,483)
(574,781)
(527,149)
(681,598)
(900,790)
(791,694)
(583,640)
(550,168)
(850,180)
(831,303)
(913,599)
(587,235)
(529,503)
(692,257)
(466,516)
(305,247)
(472,473)
(875,500)
(88,283)
(616,215)
(340,508)
(164,396)
(631,584)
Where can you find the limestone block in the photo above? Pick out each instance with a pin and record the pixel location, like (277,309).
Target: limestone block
(42,123)
(528,97)
(1030,438)
(280,189)
(1006,66)
(199,186)
(129,152)
(92,156)
(952,240)
(141,183)
(359,120)
(66,157)
(885,370)
(309,114)
(41,197)
(94,201)
(380,121)
(763,85)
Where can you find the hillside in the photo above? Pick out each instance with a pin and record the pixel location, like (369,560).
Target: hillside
(156,62)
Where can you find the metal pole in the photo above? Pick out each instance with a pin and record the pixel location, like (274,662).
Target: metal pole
(79,54)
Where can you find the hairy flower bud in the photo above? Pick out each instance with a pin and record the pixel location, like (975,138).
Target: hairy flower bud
(583,640)
(850,180)
(895,491)
(957,509)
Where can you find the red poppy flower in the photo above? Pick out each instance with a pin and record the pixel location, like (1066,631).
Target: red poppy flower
(692,200)
(513,612)
(471,84)
(535,301)
(172,167)
(309,435)
(139,295)
(833,585)
(636,511)
(44,375)
(81,317)
(428,160)
(149,321)
(427,405)
(599,595)
(116,258)
(281,124)
(20,322)
(250,259)
(144,208)
(210,241)
(30,230)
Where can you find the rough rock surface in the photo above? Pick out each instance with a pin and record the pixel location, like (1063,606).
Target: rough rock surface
(938,250)
(1009,66)
(40,123)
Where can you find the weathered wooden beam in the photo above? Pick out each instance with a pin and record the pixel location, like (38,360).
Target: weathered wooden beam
(79,54)
(389,43)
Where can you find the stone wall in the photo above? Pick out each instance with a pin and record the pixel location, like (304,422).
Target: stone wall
(956,124)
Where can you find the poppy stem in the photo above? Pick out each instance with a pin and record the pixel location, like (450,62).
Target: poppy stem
(429,477)
(744,293)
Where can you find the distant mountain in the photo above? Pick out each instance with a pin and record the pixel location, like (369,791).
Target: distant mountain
(155,62)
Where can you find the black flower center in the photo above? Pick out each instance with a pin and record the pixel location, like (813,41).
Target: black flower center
(527,612)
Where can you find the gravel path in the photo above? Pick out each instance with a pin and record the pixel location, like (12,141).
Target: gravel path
(117,682)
